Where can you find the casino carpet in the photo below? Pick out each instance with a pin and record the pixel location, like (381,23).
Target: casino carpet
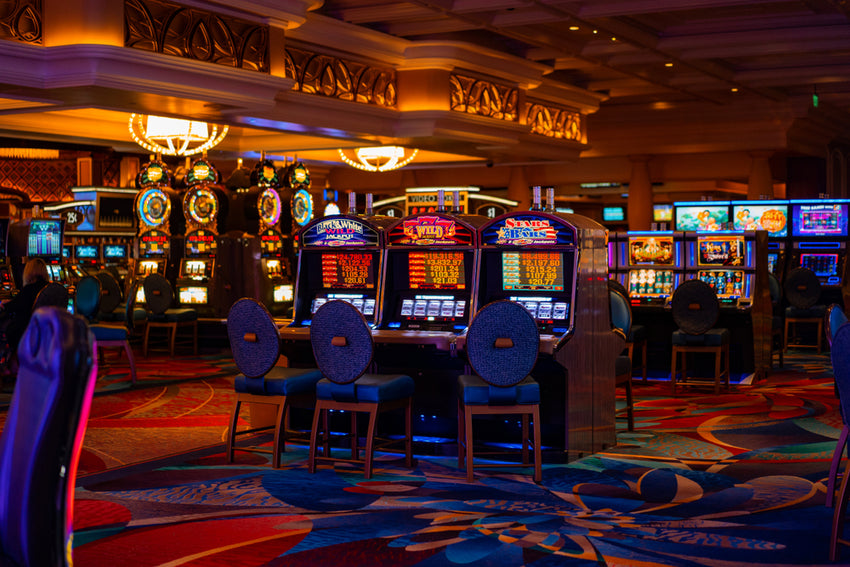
(733,479)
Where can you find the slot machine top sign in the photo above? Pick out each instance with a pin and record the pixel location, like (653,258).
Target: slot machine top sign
(298,176)
(153,243)
(528,229)
(153,174)
(431,230)
(202,171)
(153,206)
(339,232)
(265,175)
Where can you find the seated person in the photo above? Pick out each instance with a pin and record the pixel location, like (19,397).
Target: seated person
(15,313)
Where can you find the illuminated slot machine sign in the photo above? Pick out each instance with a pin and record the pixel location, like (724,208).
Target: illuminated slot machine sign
(340,258)
(86,254)
(702,216)
(429,274)
(45,238)
(115,253)
(654,261)
(770,216)
(531,258)
(819,232)
(717,253)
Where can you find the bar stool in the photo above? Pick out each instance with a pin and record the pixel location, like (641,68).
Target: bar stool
(841,370)
(621,321)
(695,310)
(158,299)
(802,290)
(835,319)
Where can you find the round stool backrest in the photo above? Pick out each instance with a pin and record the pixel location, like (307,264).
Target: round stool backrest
(802,288)
(253,337)
(502,343)
(87,297)
(158,293)
(342,342)
(695,307)
(621,312)
(110,292)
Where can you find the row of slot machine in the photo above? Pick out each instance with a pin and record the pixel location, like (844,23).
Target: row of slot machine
(419,280)
(732,245)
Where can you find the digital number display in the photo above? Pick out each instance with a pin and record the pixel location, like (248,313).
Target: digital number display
(436,270)
(347,270)
(532,271)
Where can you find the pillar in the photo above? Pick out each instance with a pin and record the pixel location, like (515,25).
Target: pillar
(518,188)
(640,194)
(760,184)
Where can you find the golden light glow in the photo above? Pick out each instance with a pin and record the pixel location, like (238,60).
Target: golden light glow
(28,153)
(174,137)
(383,158)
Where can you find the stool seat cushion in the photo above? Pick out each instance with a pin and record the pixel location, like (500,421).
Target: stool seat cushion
(174,316)
(813,312)
(279,381)
(712,337)
(473,390)
(370,388)
(109,332)
(139,314)
(637,333)
(622,366)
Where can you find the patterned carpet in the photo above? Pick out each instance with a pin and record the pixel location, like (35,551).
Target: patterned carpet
(734,479)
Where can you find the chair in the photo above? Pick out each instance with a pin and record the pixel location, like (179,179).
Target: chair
(87,303)
(777,341)
(158,299)
(621,321)
(802,290)
(53,294)
(637,337)
(255,344)
(501,346)
(343,347)
(42,438)
(695,310)
(834,320)
(840,355)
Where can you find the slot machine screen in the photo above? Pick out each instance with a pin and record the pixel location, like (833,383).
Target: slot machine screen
(271,243)
(613,214)
(114,252)
(772,259)
(651,250)
(703,217)
(282,293)
(727,284)
(45,238)
(55,272)
(662,213)
(827,219)
(154,243)
(436,270)
(720,251)
(348,270)
(772,218)
(823,265)
(651,283)
(200,243)
(67,252)
(85,252)
(193,294)
(532,271)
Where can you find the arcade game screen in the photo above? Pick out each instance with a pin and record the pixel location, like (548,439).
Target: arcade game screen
(727,284)
(772,218)
(542,272)
(67,252)
(651,250)
(651,283)
(703,217)
(827,219)
(720,251)
(436,270)
(613,214)
(45,238)
(823,265)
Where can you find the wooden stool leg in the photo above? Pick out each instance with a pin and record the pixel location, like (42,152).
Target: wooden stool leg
(673,369)
(408,433)
(718,360)
(131,361)
(630,406)
(231,434)
(836,463)
(470,476)
(525,441)
(787,325)
(145,341)
(461,435)
(838,516)
(370,440)
(538,442)
(314,439)
(279,434)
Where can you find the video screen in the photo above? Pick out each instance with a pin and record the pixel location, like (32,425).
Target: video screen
(193,294)
(823,265)
(85,252)
(200,243)
(532,271)
(827,219)
(772,218)
(651,250)
(702,217)
(772,259)
(720,251)
(271,243)
(67,252)
(544,308)
(348,270)
(651,283)
(282,293)
(114,251)
(366,305)
(432,306)
(436,270)
(154,243)
(55,272)
(725,283)
(613,214)
(662,213)
(45,238)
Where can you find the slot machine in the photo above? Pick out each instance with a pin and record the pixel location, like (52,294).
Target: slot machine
(199,283)
(116,257)
(651,266)
(86,259)
(556,266)
(37,238)
(819,231)
(154,211)
(772,217)
(734,264)
(7,280)
(276,288)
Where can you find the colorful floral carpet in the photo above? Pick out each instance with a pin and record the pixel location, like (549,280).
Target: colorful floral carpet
(733,479)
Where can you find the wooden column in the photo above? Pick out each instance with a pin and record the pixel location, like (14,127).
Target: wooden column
(640,194)
(518,188)
(760,184)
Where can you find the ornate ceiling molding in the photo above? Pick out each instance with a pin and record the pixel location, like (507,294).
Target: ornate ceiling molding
(21,20)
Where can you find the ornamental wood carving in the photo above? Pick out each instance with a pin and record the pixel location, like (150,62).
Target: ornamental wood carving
(172,29)
(326,75)
(554,122)
(20,20)
(483,98)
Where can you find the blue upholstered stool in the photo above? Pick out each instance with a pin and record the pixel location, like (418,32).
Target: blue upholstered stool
(841,370)
(695,310)
(343,347)
(802,290)
(158,299)
(621,321)
(501,345)
(835,319)
(256,348)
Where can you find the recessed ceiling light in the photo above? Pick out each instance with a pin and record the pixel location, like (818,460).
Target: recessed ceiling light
(668,64)
(594,31)
(613,39)
(734,89)
(574,28)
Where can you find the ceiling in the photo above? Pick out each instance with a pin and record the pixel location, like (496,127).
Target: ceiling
(701,60)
